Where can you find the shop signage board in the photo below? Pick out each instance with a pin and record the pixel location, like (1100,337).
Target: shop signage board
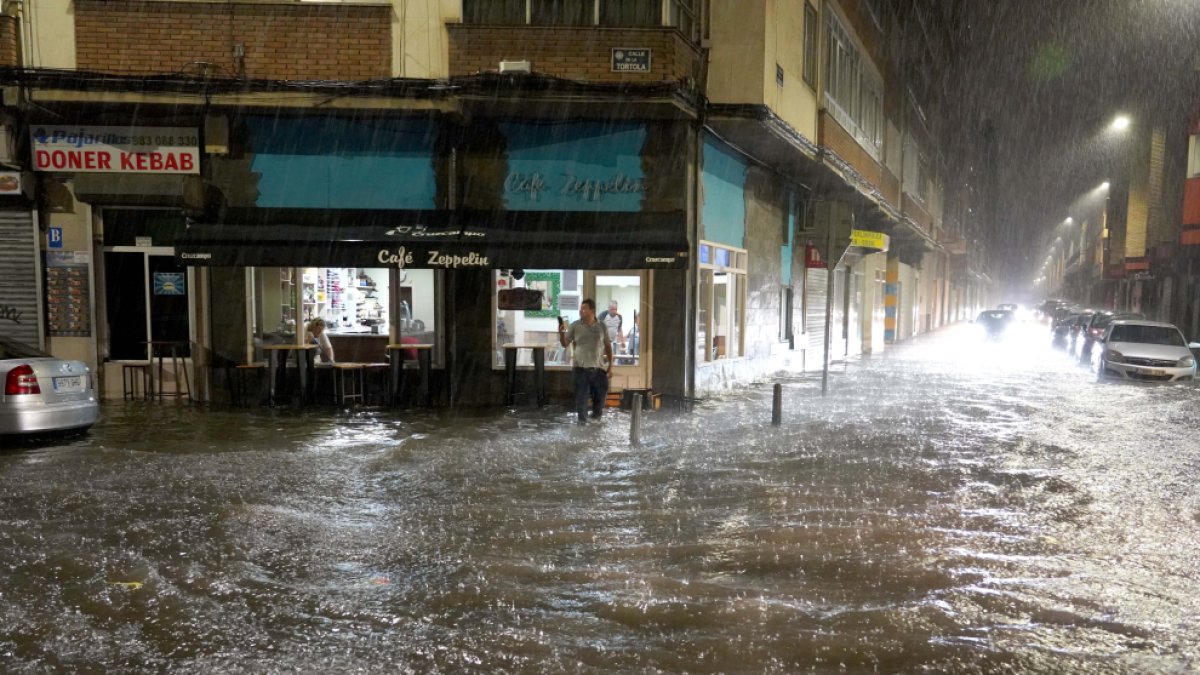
(54,238)
(93,149)
(867,239)
(631,60)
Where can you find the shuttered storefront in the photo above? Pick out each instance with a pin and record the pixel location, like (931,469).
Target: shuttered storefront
(20,287)
(816,293)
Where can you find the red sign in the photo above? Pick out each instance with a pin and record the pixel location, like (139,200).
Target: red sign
(812,258)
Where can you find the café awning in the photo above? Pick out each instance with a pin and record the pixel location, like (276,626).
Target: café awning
(460,239)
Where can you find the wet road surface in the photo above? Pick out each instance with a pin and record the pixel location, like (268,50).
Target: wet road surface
(953,506)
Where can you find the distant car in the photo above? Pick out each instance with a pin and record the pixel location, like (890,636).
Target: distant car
(1076,327)
(1008,306)
(1094,329)
(994,322)
(1060,327)
(1136,349)
(43,393)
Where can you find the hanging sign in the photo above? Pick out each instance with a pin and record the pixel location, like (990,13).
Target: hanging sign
(148,150)
(867,239)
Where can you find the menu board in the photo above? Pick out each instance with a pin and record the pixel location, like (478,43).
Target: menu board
(68,294)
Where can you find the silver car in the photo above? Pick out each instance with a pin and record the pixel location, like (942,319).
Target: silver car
(43,393)
(1135,349)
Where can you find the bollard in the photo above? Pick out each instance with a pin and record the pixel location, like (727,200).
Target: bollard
(635,423)
(777,406)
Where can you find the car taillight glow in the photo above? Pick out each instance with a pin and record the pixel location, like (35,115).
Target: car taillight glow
(20,381)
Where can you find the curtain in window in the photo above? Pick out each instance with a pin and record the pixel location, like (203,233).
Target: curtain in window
(561,12)
(494,11)
(641,13)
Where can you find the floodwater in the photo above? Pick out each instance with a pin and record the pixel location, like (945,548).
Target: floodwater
(952,506)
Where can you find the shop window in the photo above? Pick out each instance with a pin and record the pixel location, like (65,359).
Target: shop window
(722,305)
(528,304)
(364,309)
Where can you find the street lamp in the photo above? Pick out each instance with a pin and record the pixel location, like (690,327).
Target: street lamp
(1121,123)
(1105,185)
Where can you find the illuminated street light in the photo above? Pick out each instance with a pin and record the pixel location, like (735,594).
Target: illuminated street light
(1121,123)
(1105,185)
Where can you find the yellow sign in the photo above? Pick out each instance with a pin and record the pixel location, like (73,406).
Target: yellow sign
(867,239)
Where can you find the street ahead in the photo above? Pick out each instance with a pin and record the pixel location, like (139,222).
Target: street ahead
(953,505)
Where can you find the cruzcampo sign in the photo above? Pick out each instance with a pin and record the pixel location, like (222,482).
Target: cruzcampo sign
(868,239)
(74,148)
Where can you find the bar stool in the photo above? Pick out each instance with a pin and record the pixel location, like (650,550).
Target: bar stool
(357,383)
(129,375)
(237,380)
(176,361)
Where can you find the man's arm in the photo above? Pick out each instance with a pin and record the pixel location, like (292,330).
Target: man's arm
(562,337)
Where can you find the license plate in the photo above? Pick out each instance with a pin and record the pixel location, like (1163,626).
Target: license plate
(73,383)
(1157,373)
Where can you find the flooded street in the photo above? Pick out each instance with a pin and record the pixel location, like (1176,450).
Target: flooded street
(952,506)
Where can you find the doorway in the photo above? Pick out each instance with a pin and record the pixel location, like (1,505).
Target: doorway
(631,353)
(147,298)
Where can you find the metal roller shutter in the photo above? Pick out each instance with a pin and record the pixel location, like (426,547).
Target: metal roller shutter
(20,310)
(816,294)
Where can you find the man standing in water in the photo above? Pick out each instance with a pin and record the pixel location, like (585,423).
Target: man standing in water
(591,339)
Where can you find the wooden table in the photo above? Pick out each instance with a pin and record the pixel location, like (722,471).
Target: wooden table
(279,359)
(174,346)
(425,363)
(510,372)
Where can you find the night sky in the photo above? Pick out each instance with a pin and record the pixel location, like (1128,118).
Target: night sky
(1050,76)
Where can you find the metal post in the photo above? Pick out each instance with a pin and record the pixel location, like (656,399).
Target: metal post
(777,406)
(831,268)
(635,423)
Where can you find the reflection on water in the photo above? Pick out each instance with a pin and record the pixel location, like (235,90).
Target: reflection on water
(956,505)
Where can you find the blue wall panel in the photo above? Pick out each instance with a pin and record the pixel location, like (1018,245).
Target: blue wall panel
(724,213)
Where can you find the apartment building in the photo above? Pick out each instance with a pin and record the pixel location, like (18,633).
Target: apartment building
(463,172)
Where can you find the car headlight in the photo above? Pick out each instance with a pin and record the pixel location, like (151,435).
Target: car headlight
(1187,362)
(1114,356)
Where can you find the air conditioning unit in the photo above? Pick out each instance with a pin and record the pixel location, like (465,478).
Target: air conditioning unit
(524,67)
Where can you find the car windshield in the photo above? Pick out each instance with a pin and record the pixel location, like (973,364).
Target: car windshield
(1149,335)
(11,349)
(994,315)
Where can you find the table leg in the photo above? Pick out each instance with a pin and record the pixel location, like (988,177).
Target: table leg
(272,375)
(396,374)
(539,373)
(424,358)
(302,368)
(510,375)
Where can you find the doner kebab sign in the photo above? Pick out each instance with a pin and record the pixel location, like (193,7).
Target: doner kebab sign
(73,148)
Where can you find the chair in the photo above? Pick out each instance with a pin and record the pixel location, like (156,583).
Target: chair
(129,376)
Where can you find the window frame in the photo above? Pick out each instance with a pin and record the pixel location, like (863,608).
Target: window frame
(735,308)
(689,17)
(853,93)
(812,45)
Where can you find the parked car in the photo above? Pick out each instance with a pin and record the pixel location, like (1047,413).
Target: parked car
(994,322)
(43,393)
(1077,327)
(1136,349)
(1060,327)
(1094,330)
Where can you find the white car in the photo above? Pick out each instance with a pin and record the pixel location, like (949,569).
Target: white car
(1136,349)
(43,393)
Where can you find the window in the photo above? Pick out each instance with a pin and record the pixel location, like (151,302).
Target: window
(853,94)
(562,12)
(495,11)
(528,304)
(1193,156)
(364,309)
(722,303)
(785,314)
(689,16)
(642,13)
(811,38)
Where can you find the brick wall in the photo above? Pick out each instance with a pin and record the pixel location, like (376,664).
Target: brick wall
(10,42)
(281,42)
(573,53)
(832,135)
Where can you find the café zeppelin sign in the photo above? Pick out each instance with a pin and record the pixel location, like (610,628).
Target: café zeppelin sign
(145,150)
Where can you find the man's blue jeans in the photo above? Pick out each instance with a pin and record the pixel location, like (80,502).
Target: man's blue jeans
(592,381)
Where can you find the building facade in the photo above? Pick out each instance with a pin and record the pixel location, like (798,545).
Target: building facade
(756,186)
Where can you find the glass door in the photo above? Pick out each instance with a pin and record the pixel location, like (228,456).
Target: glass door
(146,298)
(621,303)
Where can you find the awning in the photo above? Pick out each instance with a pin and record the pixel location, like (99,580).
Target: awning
(438,239)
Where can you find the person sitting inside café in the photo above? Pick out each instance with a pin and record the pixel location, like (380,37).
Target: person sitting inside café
(319,337)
